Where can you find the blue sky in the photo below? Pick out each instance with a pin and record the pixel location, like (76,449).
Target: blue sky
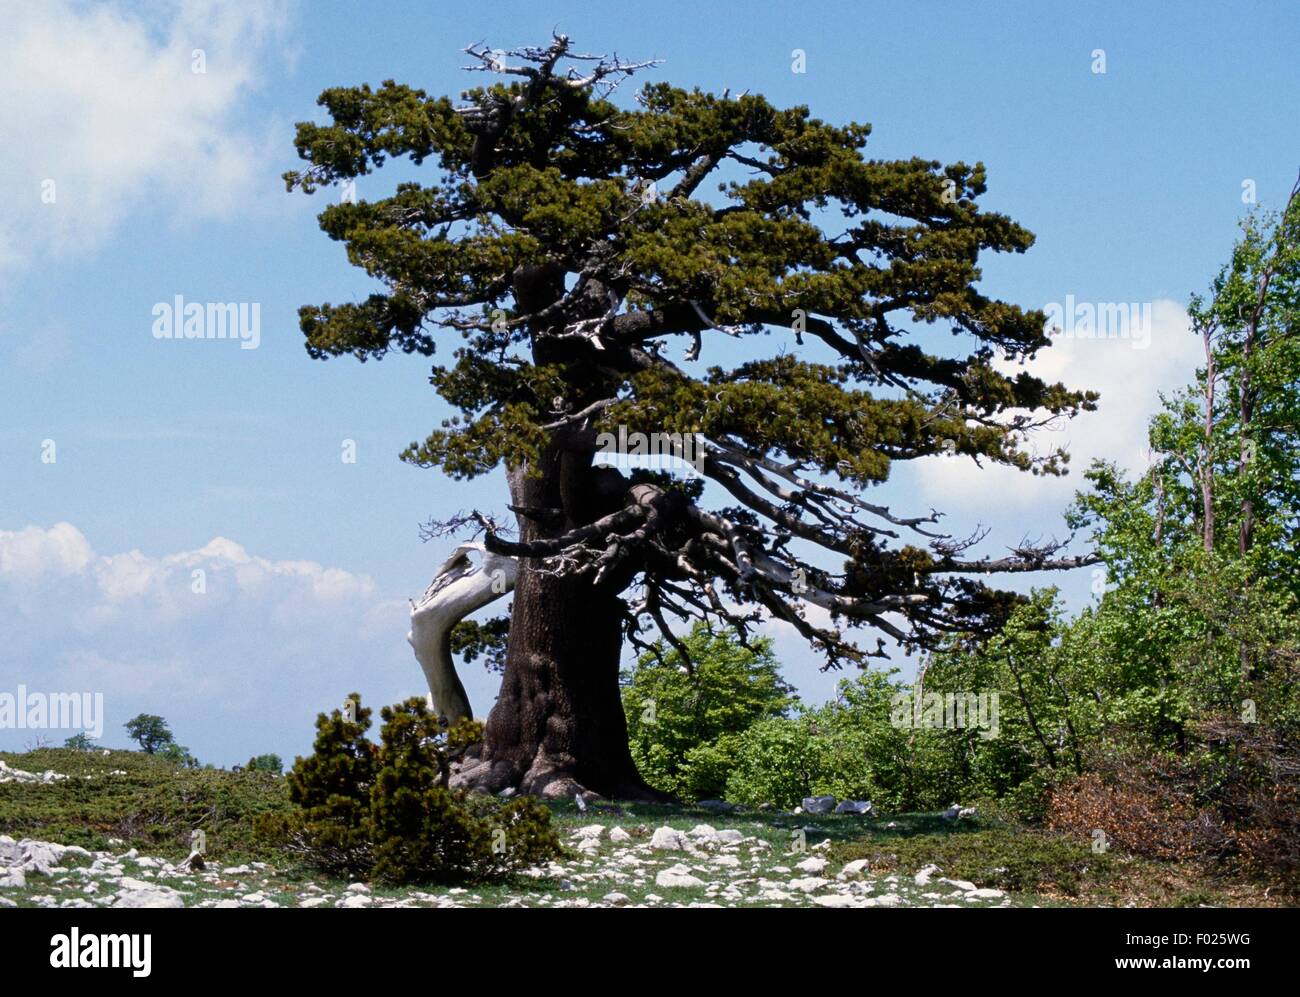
(173,456)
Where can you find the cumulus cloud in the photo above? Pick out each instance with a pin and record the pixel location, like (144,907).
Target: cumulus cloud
(104,112)
(1130,373)
(236,650)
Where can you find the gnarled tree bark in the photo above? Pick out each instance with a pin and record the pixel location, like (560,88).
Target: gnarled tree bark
(558,727)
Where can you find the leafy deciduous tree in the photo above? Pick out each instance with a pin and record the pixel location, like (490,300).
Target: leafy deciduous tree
(149,731)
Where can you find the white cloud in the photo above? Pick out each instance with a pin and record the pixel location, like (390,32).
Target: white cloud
(51,558)
(1129,378)
(239,668)
(101,100)
(30,553)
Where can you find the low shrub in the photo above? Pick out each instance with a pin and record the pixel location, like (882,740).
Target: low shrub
(386,811)
(1233,795)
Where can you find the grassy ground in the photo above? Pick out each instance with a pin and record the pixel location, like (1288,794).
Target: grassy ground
(126,800)
(139,800)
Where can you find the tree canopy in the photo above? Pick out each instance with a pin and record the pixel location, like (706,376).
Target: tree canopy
(563,240)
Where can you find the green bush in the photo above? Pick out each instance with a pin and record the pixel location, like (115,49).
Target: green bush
(776,762)
(684,726)
(851,748)
(386,810)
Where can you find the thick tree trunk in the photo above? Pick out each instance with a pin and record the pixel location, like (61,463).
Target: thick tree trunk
(558,726)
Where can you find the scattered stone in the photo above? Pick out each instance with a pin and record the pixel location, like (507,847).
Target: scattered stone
(40,857)
(926,874)
(813,864)
(677,876)
(616,899)
(818,804)
(837,900)
(855,868)
(861,807)
(151,896)
(884,900)
(668,839)
(619,836)
(15,878)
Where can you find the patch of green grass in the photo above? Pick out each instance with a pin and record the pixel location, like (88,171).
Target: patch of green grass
(142,800)
(994,855)
(1038,865)
(149,804)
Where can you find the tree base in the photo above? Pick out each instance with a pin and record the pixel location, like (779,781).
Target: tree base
(548,780)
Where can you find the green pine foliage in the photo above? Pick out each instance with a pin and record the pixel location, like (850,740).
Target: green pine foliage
(385,811)
(546,243)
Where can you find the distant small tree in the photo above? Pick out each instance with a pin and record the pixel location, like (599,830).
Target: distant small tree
(178,755)
(149,731)
(265,763)
(80,742)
